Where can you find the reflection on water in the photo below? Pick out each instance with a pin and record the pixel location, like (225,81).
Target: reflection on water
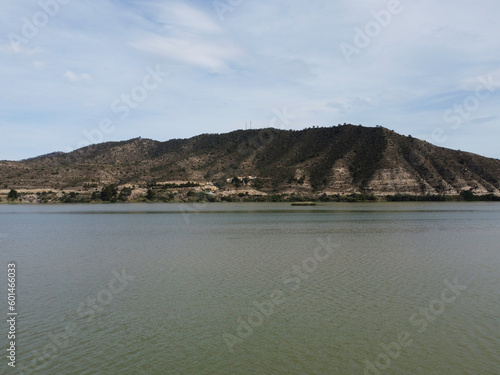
(256,288)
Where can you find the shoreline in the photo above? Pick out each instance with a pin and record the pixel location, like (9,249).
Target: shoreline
(202,198)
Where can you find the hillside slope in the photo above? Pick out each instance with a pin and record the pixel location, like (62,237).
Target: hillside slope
(341,159)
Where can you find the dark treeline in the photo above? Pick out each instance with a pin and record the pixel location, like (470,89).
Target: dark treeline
(112,194)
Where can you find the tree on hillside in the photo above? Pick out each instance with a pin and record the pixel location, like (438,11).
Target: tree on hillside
(109,193)
(468,196)
(13,194)
(150,195)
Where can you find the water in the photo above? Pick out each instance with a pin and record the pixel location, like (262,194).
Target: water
(332,289)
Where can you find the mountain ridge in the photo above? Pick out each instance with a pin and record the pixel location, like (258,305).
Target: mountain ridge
(341,159)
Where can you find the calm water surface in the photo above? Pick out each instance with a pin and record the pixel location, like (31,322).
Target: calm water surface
(254,288)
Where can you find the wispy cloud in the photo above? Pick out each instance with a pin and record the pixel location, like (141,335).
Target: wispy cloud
(175,15)
(188,35)
(75,77)
(215,56)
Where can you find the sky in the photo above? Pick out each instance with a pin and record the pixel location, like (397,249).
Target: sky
(73,73)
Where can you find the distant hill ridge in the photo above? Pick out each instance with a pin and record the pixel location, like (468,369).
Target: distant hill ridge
(335,160)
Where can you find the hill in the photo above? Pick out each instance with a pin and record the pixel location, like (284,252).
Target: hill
(337,160)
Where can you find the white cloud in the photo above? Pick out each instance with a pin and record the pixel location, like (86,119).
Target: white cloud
(176,14)
(203,53)
(12,48)
(74,77)
(38,64)
(189,36)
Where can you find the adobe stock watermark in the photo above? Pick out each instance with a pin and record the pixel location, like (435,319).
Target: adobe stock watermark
(221,7)
(364,36)
(280,119)
(462,112)
(57,342)
(245,327)
(31,26)
(426,315)
(282,116)
(123,106)
(264,136)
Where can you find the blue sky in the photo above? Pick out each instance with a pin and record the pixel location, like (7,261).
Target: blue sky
(77,72)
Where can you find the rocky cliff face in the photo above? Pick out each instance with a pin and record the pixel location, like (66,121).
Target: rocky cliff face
(417,167)
(336,160)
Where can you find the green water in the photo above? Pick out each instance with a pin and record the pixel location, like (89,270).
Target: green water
(254,288)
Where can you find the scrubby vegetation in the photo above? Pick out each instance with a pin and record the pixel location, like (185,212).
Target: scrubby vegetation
(262,162)
(13,195)
(113,194)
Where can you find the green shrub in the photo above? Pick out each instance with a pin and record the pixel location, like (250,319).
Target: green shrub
(13,195)
(109,193)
